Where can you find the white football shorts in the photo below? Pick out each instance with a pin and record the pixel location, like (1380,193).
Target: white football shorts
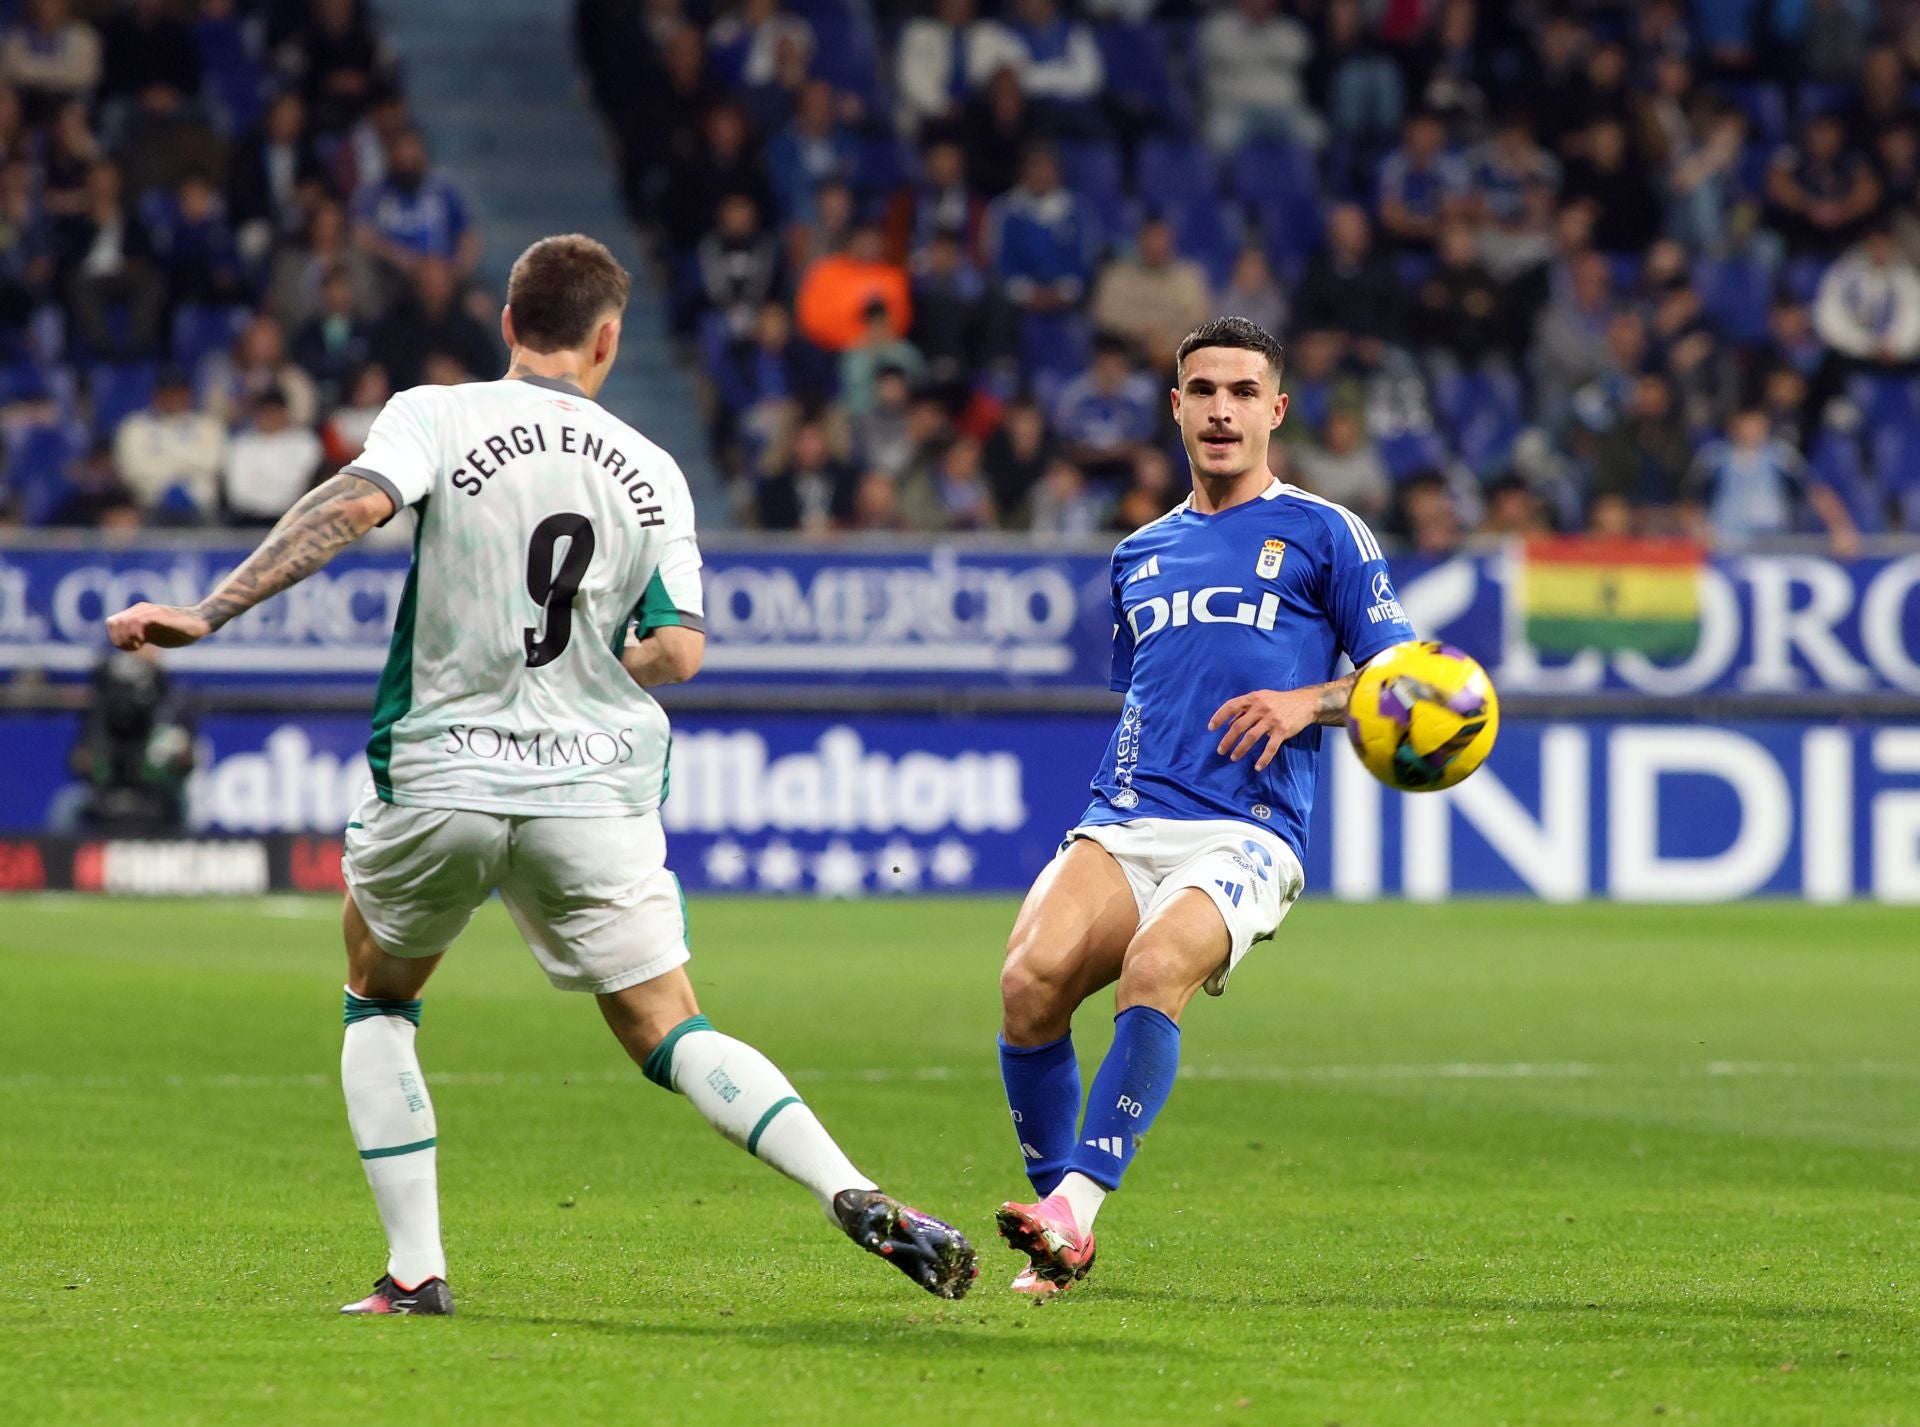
(1251,875)
(592,896)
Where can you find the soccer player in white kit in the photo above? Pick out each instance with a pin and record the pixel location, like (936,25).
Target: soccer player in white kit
(555,577)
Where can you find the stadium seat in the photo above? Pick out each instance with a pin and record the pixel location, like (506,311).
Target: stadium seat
(200,330)
(1765,107)
(34,471)
(1053,346)
(1736,293)
(1269,172)
(1801,277)
(1822,99)
(1481,410)
(1091,168)
(1885,400)
(1836,462)
(1207,231)
(231,73)
(1171,170)
(1290,233)
(1410,452)
(118,389)
(1139,70)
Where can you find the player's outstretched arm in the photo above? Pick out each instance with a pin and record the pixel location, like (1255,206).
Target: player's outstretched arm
(1277,715)
(320,525)
(670,654)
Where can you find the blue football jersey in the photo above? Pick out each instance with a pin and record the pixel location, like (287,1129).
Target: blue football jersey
(1267,595)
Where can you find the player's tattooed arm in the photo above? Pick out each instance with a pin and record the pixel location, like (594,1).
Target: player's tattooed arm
(319,526)
(1276,715)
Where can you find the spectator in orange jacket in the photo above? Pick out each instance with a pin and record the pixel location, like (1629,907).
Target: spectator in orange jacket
(835,292)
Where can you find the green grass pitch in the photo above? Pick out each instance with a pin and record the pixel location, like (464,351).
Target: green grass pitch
(1470,1164)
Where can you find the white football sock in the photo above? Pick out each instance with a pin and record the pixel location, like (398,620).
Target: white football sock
(393,1127)
(1084,1197)
(744,1096)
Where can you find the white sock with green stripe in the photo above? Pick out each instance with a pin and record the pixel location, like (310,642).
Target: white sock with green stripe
(744,1096)
(392,1121)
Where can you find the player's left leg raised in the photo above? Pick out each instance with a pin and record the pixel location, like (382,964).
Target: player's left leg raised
(1181,944)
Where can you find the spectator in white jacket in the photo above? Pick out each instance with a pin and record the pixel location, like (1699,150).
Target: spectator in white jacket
(1253,61)
(270,464)
(945,57)
(1868,306)
(169,456)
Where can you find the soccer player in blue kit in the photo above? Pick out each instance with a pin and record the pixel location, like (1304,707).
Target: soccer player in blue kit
(1230,614)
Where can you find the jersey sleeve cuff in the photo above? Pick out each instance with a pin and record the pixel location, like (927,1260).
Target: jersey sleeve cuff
(1363,657)
(387,487)
(671,619)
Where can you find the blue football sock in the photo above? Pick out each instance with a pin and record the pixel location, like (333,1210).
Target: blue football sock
(1133,1083)
(1043,1091)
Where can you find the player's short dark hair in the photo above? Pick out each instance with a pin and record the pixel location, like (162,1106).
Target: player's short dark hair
(560,288)
(1236,332)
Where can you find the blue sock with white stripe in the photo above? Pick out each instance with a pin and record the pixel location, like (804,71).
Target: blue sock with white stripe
(1132,1084)
(744,1096)
(1043,1092)
(392,1121)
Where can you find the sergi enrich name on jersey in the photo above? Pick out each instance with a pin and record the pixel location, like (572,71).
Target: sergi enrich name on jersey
(543,749)
(472,478)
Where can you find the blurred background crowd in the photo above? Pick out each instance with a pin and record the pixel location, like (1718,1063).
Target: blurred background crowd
(222,244)
(1627,267)
(1641,267)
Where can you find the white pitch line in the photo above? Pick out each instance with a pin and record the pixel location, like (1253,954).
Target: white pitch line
(892,1075)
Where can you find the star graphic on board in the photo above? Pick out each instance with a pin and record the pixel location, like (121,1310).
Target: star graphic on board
(726,863)
(897,866)
(839,871)
(779,866)
(952,862)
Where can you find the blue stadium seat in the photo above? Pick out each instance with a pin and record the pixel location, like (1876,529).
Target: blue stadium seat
(1091,168)
(34,471)
(1896,455)
(881,167)
(1482,410)
(844,52)
(1764,105)
(1411,452)
(1836,462)
(1207,230)
(1138,69)
(1269,172)
(1736,293)
(1822,98)
(1290,233)
(200,330)
(118,390)
(231,74)
(1053,346)
(1801,277)
(1885,400)
(1171,170)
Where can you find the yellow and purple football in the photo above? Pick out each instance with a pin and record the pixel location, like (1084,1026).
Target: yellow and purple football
(1422,716)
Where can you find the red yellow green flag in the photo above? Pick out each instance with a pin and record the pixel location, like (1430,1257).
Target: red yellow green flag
(1581,592)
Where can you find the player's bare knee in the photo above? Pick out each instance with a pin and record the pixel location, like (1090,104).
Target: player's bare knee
(1035,993)
(1162,977)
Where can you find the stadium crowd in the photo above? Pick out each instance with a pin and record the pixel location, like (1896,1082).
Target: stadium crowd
(222,244)
(1624,267)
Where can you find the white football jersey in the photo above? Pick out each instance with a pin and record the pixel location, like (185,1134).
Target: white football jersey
(544,527)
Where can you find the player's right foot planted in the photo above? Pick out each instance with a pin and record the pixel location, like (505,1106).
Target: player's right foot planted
(934,1255)
(431,1298)
(1058,1254)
